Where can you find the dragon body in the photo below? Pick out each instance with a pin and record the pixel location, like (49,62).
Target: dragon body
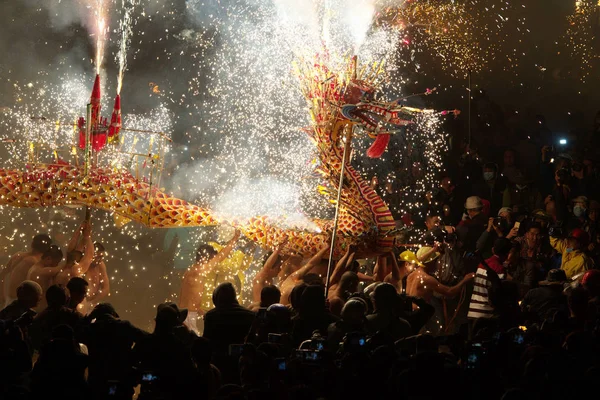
(364,219)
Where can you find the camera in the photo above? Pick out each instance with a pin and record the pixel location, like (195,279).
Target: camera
(308,355)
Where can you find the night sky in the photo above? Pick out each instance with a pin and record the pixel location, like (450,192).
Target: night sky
(36,46)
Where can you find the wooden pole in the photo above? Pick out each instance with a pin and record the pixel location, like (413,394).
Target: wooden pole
(88,154)
(347,144)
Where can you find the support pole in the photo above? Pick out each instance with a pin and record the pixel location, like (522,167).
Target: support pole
(88,154)
(469,115)
(347,144)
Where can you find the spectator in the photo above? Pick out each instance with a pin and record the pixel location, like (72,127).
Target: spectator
(385,319)
(60,370)
(522,197)
(510,170)
(543,302)
(574,261)
(492,187)
(110,341)
(165,363)
(481,306)
(54,315)
(312,315)
(269,295)
(579,219)
(353,319)
(208,378)
(78,288)
(471,228)
(228,323)
(28,297)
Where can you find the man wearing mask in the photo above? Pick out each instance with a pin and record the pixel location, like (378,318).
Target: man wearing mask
(492,188)
(580,215)
(574,260)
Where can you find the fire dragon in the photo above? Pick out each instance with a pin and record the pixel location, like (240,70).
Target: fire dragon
(341,104)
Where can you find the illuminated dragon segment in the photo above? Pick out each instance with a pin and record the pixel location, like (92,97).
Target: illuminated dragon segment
(365,219)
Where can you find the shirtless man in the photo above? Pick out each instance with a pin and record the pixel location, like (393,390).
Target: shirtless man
(77,262)
(44,271)
(269,271)
(193,283)
(409,262)
(97,278)
(421,283)
(18,266)
(299,276)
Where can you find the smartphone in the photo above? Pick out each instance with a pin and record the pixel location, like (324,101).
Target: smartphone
(148,377)
(275,338)
(358,340)
(517,225)
(235,350)
(519,337)
(281,364)
(474,356)
(112,388)
(317,344)
(308,355)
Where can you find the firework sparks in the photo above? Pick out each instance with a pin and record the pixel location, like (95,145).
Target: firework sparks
(581,37)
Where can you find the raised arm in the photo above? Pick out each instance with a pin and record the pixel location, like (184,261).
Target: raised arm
(74,242)
(225,251)
(313,262)
(267,273)
(104,288)
(88,255)
(380,270)
(340,267)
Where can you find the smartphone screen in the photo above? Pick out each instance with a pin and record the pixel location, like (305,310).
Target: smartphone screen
(235,350)
(148,377)
(281,364)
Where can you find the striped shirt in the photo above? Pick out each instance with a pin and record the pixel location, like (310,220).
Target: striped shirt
(480,306)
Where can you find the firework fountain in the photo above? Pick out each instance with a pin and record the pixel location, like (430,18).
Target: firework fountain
(254,104)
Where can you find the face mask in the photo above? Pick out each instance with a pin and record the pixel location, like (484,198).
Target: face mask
(521,187)
(569,250)
(578,211)
(488,176)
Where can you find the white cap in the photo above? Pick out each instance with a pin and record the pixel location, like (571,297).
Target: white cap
(473,202)
(504,210)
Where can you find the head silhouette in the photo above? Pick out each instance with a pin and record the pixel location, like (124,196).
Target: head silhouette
(224,295)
